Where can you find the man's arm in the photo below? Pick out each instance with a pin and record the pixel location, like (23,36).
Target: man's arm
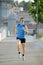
(14,30)
(26,30)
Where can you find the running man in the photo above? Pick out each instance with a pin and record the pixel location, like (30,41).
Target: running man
(21,30)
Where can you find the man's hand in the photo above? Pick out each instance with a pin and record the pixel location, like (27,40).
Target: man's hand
(26,29)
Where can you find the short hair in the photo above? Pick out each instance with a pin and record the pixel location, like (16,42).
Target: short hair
(21,18)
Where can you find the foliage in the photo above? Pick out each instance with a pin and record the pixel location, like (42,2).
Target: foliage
(21,4)
(24,4)
(34,9)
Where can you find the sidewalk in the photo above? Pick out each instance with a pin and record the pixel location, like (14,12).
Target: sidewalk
(8,55)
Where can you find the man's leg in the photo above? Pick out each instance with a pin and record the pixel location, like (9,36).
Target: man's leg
(18,49)
(18,46)
(23,50)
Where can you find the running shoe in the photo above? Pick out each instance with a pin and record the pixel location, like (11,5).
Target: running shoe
(23,58)
(19,56)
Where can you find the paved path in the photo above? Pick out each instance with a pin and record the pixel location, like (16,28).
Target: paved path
(8,53)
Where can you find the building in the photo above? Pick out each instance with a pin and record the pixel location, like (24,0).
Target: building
(5,5)
(5,9)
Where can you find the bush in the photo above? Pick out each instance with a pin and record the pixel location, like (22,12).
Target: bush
(40,34)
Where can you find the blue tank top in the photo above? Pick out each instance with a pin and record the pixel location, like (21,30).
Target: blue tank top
(20,31)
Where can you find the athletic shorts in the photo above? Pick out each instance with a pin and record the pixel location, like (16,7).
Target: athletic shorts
(23,40)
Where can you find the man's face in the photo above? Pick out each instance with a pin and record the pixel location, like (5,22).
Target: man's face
(22,21)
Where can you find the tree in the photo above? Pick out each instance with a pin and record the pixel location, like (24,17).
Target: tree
(24,4)
(33,9)
(16,3)
(21,4)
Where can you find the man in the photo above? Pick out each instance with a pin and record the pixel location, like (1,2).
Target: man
(21,31)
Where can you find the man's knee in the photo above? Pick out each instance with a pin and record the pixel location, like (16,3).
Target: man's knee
(23,44)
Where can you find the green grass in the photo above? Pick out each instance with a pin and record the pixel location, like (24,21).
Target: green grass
(40,34)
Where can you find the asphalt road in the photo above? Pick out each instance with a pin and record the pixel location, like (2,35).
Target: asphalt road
(9,55)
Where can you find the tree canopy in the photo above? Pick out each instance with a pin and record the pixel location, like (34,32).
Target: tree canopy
(34,8)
